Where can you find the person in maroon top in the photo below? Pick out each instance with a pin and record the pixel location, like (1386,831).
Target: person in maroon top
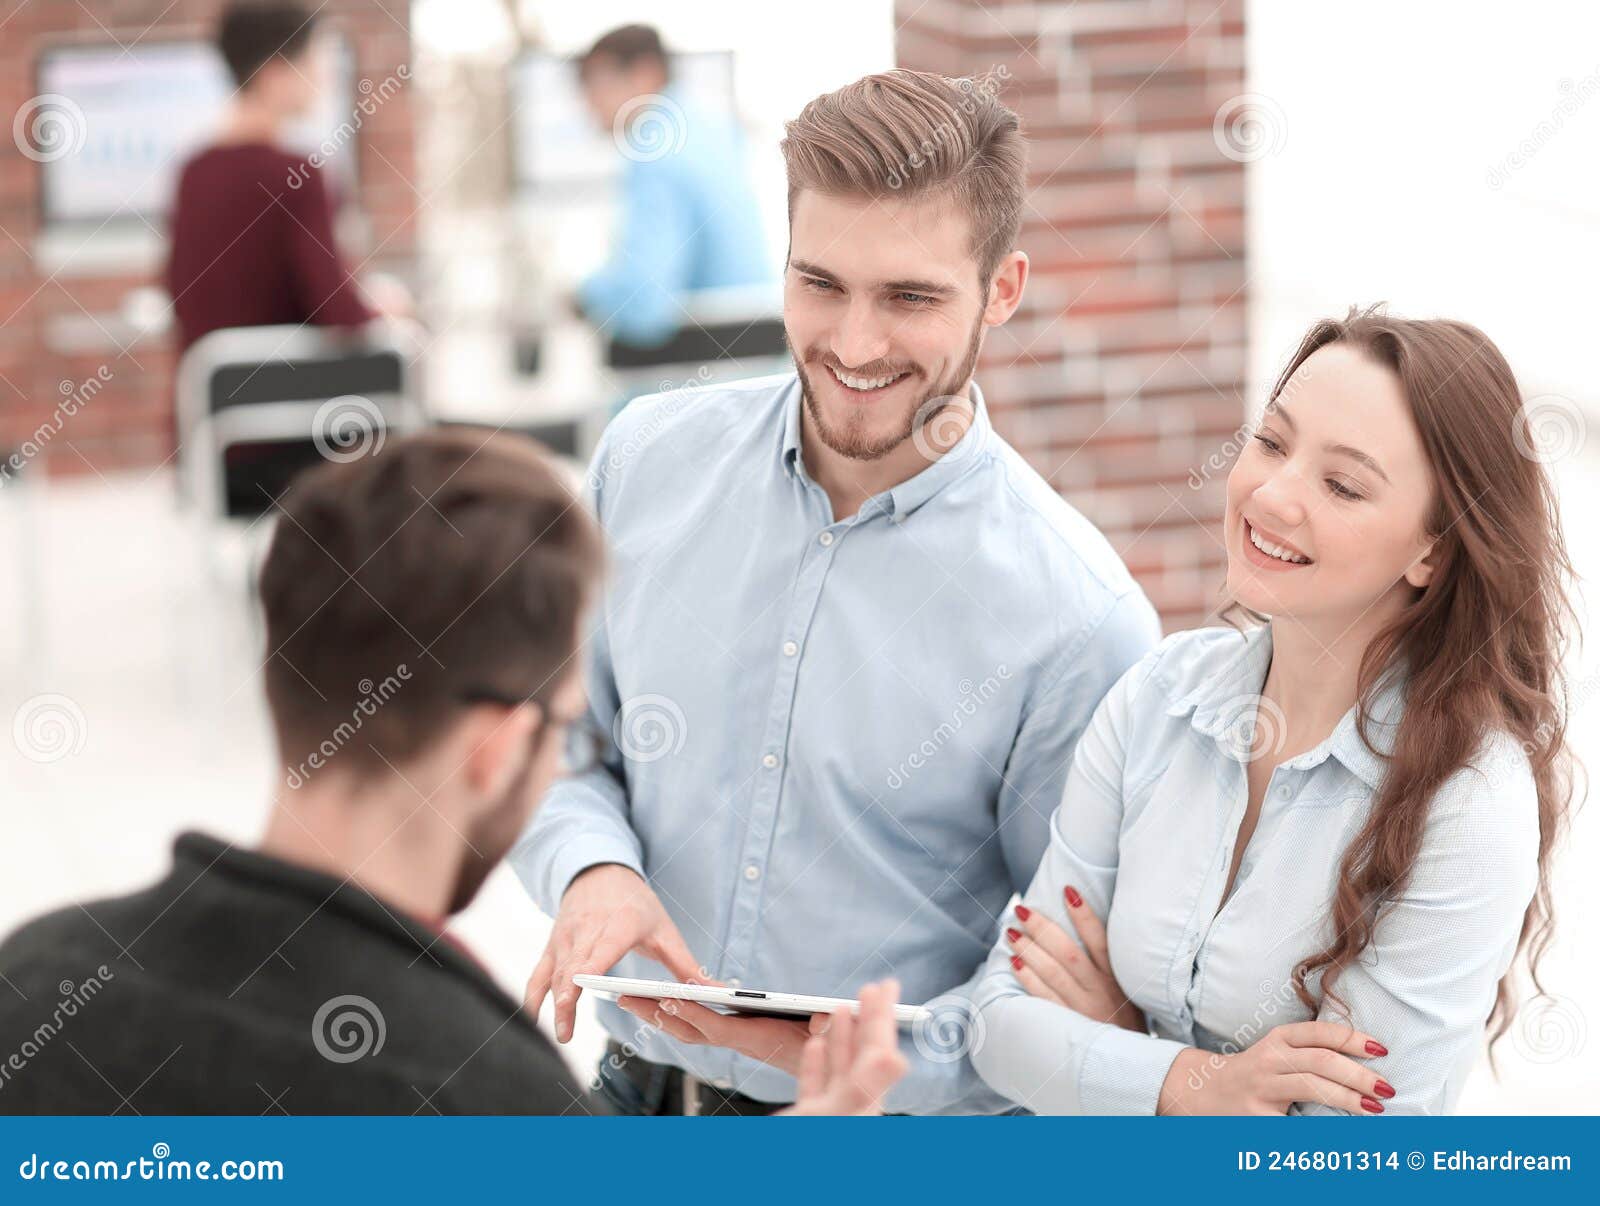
(252,228)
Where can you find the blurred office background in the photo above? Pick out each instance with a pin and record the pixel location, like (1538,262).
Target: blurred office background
(1207,177)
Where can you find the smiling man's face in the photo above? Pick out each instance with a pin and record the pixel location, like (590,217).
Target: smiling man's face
(884,311)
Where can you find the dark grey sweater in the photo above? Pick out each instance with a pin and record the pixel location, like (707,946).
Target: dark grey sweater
(241,984)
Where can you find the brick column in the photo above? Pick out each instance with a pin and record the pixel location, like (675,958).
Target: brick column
(1122,376)
(128,420)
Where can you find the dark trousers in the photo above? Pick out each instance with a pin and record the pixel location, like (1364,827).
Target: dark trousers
(633,1085)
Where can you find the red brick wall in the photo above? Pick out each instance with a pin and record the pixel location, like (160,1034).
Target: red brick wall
(129,421)
(1122,376)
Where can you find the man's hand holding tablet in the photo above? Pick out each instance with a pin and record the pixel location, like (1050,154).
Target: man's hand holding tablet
(607,911)
(844,1062)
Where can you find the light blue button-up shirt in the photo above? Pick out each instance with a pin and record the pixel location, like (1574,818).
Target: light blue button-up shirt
(839,741)
(689,221)
(1146,832)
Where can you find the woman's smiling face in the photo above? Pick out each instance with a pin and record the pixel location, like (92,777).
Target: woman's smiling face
(1327,504)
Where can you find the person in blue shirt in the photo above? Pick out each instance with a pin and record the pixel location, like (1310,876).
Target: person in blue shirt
(849,641)
(689,218)
(1295,861)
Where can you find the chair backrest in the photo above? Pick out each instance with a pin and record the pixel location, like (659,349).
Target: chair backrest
(275,384)
(381,371)
(696,343)
(741,322)
(252,365)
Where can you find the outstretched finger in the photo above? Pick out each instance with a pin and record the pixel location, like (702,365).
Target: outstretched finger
(539,984)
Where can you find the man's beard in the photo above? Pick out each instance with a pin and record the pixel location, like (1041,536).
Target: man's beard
(491,839)
(851,440)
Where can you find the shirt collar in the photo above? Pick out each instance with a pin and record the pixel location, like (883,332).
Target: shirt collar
(1225,706)
(900,501)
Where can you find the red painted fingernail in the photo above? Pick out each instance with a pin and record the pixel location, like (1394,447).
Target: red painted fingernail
(1370,1106)
(1016,962)
(1014,935)
(1024,912)
(1073,898)
(1383,1089)
(1374,1047)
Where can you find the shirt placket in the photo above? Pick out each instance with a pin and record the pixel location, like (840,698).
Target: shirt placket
(756,851)
(1281,788)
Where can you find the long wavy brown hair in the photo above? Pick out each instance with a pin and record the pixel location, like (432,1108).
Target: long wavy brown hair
(1482,644)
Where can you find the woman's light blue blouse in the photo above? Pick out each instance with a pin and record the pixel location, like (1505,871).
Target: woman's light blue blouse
(1146,832)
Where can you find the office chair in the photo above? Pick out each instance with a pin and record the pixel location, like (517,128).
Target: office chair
(315,392)
(287,397)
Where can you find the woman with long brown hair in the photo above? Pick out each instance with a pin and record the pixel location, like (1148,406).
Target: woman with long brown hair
(1297,857)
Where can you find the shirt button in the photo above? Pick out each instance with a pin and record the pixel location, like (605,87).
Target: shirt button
(734,981)
(1285,792)
(770,761)
(723,1083)
(790,649)
(825,539)
(752,872)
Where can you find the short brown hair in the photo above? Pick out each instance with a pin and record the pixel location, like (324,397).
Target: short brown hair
(444,565)
(625,46)
(913,133)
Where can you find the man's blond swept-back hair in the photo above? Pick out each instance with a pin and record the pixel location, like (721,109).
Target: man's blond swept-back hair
(914,134)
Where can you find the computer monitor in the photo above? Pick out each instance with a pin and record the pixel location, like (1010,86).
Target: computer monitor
(557,145)
(129,117)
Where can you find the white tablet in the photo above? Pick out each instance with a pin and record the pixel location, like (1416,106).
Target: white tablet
(735,1000)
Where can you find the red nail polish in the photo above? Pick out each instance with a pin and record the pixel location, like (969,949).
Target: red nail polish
(1376,1048)
(1371,1106)
(1016,962)
(1073,898)
(1024,912)
(1014,935)
(1383,1089)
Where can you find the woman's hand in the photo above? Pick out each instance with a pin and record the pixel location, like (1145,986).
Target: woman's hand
(1313,1062)
(1049,964)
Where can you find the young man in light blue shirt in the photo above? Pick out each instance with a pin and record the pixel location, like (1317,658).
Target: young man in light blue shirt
(849,642)
(689,219)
